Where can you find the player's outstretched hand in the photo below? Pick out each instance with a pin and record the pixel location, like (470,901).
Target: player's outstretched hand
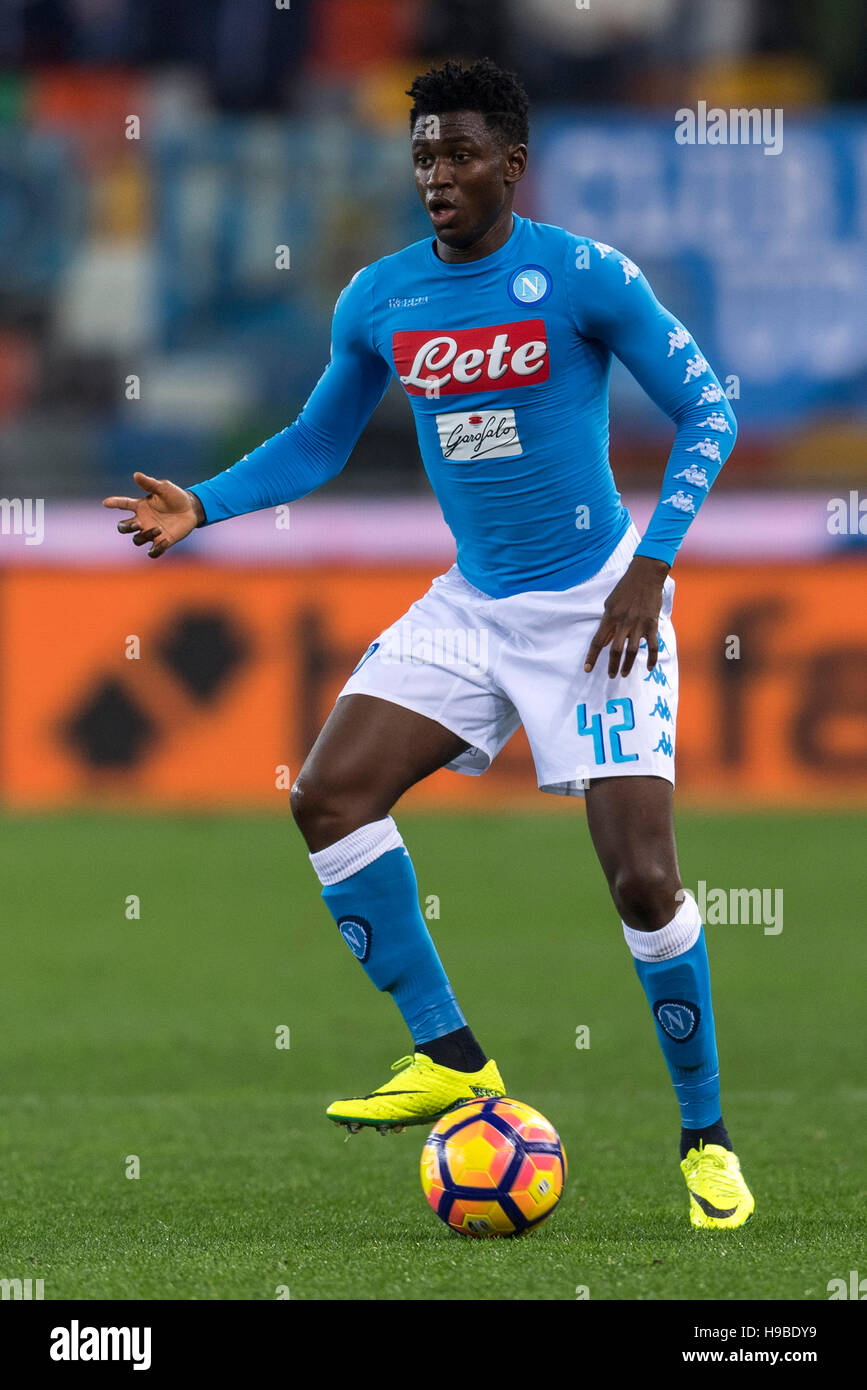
(165,515)
(631,612)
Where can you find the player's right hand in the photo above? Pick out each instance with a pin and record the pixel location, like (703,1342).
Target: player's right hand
(165,515)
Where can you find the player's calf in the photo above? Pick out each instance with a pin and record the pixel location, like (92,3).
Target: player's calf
(369,752)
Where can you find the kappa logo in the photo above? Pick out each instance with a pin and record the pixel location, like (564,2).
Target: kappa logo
(695,366)
(677,338)
(642,646)
(496,358)
(374,646)
(695,475)
(708,448)
(716,421)
(412,301)
(677,1018)
(530,285)
(681,501)
(357,934)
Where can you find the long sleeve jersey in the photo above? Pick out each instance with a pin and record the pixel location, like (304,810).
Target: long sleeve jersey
(505,362)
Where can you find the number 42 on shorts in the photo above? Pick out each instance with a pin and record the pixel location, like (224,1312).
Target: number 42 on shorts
(597,731)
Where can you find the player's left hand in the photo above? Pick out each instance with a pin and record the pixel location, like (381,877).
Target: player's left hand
(631,612)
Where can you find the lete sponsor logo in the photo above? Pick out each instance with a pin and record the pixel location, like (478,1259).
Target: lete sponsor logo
(497,358)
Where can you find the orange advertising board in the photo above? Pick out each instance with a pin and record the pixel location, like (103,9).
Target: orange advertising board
(193,686)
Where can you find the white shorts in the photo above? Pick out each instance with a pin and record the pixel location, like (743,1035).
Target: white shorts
(482,666)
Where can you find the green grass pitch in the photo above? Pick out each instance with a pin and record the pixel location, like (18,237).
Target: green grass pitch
(156,1038)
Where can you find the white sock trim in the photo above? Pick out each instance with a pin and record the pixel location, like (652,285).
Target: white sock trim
(355,851)
(673,939)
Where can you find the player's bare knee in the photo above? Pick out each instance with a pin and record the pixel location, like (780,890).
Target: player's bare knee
(300,804)
(312,808)
(645,895)
(326,813)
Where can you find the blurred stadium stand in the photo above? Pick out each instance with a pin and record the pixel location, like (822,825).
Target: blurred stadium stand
(263,127)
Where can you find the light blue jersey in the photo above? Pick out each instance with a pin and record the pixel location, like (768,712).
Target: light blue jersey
(505,361)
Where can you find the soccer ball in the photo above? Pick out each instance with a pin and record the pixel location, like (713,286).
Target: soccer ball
(493,1168)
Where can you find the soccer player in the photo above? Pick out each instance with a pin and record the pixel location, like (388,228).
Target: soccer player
(500,331)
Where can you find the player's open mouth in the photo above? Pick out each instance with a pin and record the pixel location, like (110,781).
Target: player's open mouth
(440,212)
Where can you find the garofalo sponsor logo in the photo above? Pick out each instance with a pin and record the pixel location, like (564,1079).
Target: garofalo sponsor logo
(479,434)
(77,1343)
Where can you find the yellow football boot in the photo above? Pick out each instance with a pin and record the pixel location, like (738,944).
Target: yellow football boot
(418,1094)
(719,1199)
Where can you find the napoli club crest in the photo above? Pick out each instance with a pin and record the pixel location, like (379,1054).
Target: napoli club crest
(677,1018)
(530,285)
(357,935)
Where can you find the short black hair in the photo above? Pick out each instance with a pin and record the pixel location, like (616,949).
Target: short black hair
(484,87)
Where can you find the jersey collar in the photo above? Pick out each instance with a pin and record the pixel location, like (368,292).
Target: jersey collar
(496,258)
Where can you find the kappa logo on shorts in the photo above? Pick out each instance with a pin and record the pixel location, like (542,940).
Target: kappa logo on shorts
(367,655)
(357,934)
(677,1018)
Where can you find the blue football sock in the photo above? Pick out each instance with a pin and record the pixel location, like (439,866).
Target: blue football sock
(370,889)
(672,966)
